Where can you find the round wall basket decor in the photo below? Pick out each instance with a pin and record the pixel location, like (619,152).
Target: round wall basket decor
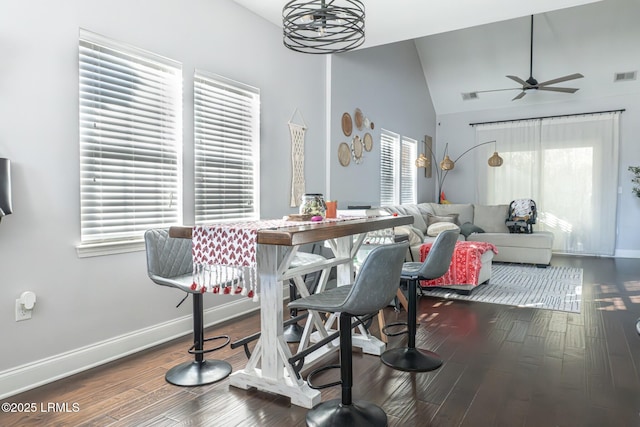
(368,141)
(347,124)
(344,154)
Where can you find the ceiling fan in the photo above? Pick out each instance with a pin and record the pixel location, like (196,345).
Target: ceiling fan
(532,83)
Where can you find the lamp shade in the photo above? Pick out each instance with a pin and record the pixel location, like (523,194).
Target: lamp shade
(321,26)
(422,161)
(447,164)
(495,160)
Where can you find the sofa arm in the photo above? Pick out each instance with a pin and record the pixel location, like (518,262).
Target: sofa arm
(415,236)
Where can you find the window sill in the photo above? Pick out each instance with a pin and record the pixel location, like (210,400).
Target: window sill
(87,250)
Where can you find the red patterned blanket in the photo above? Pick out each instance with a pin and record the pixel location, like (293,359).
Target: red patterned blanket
(465,264)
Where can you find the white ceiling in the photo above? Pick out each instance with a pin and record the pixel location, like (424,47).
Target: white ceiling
(471,45)
(389,21)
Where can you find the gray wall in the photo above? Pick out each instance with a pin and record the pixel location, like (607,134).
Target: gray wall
(92,300)
(459,185)
(388,85)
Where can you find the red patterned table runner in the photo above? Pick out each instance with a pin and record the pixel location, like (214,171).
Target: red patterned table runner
(465,263)
(224,255)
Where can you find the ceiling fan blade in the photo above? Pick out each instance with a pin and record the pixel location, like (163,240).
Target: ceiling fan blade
(520,95)
(518,80)
(561,79)
(497,90)
(559,89)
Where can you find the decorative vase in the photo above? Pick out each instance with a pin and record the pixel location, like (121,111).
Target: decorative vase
(313,204)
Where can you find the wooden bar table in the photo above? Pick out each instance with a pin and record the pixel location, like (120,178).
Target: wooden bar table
(268,368)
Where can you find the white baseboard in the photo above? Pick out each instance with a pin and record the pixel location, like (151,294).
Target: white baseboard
(35,374)
(624,253)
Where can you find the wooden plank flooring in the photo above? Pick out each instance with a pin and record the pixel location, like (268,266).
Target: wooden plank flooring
(503,366)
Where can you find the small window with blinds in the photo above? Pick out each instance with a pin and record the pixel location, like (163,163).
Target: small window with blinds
(408,192)
(130,143)
(227,149)
(397,169)
(389,165)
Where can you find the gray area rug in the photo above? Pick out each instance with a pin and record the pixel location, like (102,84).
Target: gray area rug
(551,288)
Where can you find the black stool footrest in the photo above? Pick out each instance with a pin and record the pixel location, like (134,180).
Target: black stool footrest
(219,337)
(385,330)
(319,370)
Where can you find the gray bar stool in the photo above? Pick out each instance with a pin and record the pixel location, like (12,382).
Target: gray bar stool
(374,287)
(435,265)
(169,263)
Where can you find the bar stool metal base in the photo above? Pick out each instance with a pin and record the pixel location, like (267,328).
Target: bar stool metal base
(411,359)
(292,333)
(196,373)
(335,413)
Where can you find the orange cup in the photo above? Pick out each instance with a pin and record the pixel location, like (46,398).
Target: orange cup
(332,208)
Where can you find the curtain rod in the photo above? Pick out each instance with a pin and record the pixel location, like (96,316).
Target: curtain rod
(548,117)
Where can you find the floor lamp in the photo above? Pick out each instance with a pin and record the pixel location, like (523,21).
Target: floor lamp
(424,161)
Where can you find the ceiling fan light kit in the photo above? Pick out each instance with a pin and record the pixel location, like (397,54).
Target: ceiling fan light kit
(532,83)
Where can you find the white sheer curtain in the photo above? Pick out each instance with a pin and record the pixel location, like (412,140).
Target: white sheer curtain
(568,165)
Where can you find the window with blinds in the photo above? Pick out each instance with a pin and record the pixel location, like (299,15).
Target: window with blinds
(397,169)
(227,149)
(408,192)
(130,141)
(389,164)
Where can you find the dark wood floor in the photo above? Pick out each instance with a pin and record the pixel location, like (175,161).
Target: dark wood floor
(503,366)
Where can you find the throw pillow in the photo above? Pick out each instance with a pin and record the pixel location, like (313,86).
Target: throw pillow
(467,229)
(432,219)
(464,211)
(439,227)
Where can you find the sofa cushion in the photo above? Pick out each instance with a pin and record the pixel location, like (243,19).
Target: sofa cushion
(438,227)
(434,219)
(425,209)
(418,221)
(491,218)
(467,229)
(538,240)
(464,211)
(522,248)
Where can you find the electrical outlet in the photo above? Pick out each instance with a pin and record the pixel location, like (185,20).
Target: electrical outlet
(21,312)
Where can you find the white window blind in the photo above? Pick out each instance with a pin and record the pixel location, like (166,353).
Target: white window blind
(389,163)
(130,140)
(408,193)
(227,149)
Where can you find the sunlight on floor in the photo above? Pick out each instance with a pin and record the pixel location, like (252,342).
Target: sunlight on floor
(632,286)
(611,304)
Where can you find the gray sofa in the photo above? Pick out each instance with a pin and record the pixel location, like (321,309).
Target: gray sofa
(480,223)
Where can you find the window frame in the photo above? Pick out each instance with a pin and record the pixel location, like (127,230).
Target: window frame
(130,130)
(221,135)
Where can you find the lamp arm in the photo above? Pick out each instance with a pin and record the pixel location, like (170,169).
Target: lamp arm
(475,146)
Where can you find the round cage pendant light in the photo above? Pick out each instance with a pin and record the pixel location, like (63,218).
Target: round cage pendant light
(323,26)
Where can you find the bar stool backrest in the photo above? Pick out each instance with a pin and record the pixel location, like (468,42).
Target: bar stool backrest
(377,281)
(167,258)
(439,258)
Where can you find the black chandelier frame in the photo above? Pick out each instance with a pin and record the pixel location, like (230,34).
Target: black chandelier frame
(323,26)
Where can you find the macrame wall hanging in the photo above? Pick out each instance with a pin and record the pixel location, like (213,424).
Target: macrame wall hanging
(297,159)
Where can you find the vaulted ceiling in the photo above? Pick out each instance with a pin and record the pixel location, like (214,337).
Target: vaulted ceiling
(467,46)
